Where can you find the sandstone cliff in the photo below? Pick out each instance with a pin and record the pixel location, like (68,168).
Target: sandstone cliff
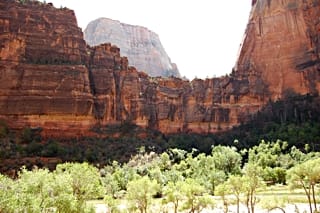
(281,46)
(50,78)
(142,46)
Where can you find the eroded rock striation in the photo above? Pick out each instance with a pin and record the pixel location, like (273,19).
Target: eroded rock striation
(142,46)
(50,78)
(281,46)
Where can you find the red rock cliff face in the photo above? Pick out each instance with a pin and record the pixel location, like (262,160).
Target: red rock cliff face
(49,78)
(281,46)
(43,78)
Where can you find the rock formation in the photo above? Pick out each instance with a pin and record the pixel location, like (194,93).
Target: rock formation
(50,78)
(142,46)
(281,46)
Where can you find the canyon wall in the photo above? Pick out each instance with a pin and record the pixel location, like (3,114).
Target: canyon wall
(142,46)
(281,46)
(50,78)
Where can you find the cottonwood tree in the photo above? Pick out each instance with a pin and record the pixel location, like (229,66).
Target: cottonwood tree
(39,191)
(85,181)
(252,181)
(140,192)
(227,159)
(236,186)
(173,194)
(306,176)
(223,190)
(192,191)
(8,200)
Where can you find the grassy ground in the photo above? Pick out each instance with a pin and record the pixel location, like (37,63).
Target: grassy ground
(284,193)
(271,196)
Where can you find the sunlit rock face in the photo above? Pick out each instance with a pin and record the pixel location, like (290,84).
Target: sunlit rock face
(142,46)
(50,78)
(281,46)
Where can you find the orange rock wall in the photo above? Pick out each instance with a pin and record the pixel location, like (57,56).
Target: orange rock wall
(50,78)
(281,45)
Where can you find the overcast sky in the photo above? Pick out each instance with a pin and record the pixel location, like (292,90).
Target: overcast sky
(201,36)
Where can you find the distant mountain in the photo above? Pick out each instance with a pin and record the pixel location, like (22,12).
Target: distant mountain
(142,46)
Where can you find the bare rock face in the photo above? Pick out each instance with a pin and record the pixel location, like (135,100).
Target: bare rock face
(142,46)
(281,46)
(50,78)
(43,76)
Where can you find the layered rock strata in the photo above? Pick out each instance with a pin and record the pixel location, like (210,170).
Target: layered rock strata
(142,46)
(50,78)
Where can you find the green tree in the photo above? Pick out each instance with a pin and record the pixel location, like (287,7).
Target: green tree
(123,174)
(39,191)
(173,194)
(8,200)
(227,159)
(236,187)
(192,191)
(4,130)
(140,192)
(61,194)
(85,181)
(34,191)
(252,181)
(223,190)
(112,203)
(306,175)
(27,135)
(267,154)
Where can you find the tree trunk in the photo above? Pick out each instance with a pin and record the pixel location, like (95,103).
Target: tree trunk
(247,203)
(308,195)
(314,199)
(175,208)
(238,205)
(225,204)
(310,203)
(252,202)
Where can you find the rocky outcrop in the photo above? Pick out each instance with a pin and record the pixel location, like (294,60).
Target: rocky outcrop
(50,78)
(281,46)
(142,46)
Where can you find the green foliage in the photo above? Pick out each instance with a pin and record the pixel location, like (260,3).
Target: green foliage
(274,175)
(112,203)
(267,154)
(183,180)
(122,175)
(110,184)
(27,135)
(8,201)
(85,180)
(173,194)
(306,175)
(4,130)
(223,190)
(39,191)
(227,159)
(236,186)
(192,191)
(140,192)
(252,181)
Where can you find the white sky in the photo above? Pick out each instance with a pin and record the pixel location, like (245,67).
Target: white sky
(201,36)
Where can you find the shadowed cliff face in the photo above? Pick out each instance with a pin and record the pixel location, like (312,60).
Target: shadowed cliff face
(142,46)
(50,78)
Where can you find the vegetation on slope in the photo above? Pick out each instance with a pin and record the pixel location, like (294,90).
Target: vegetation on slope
(180,180)
(296,119)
